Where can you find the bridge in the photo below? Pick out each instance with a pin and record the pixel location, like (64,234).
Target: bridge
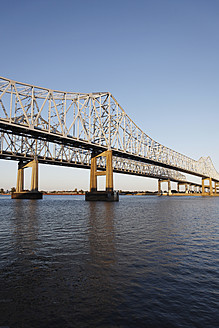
(88,130)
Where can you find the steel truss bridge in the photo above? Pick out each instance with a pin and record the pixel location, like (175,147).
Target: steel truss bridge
(66,128)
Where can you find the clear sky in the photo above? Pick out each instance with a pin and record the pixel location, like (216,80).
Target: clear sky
(159,59)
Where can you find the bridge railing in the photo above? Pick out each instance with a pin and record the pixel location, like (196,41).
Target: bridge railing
(91,118)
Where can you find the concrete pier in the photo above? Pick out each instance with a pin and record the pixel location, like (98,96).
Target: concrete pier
(27,195)
(33,193)
(108,196)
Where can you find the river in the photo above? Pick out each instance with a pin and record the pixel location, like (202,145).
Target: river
(145,261)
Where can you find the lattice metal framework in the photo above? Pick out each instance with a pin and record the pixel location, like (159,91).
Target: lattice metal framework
(89,121)
(16,147)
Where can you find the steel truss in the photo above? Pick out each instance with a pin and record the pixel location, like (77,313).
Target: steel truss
(92,121)
(14,147)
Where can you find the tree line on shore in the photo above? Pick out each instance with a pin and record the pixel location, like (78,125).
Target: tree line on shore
(75,191)
(81,191)
(2,191)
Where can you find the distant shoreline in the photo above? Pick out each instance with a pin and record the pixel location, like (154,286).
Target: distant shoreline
(129,193)
(62,193)
(51,193)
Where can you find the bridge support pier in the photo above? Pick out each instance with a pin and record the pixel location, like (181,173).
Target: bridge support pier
(169,188)
(33,193)
(169,193)
(216,187)
(20,178)
(181,184)
(190,188)
(159,187)
(108,195)
(207,186)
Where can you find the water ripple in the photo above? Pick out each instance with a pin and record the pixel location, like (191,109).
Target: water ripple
(142,262)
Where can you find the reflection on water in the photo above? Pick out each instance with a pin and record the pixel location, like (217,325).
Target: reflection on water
(101,233)
(144,261)
(25,223)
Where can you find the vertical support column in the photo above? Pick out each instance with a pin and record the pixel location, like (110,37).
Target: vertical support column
(186,188)
(20,178)
(210,187)
(178,187)
(34,177)
(109,170)
(203,186)
(159,187)
(93,176)
(169,188)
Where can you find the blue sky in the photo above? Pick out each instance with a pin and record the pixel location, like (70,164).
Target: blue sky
(158,58)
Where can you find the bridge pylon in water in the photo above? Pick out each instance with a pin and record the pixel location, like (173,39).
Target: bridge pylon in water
(208,189)
(216,188)
(169,192)
(20,192)
(107,195)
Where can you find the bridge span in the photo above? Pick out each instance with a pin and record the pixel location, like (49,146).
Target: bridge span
(87,130)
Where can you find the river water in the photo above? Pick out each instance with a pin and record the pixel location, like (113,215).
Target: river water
(144,261)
